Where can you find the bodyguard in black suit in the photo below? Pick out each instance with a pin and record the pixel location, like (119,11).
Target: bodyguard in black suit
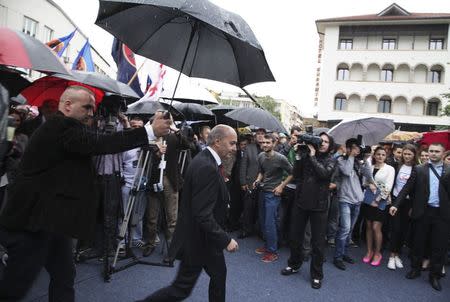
(429,190)
(199,238)
(54,197)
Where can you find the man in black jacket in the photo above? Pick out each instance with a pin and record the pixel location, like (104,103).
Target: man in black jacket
(54,197)
(199,238)
(429,191)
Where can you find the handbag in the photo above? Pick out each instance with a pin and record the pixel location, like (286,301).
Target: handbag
(369,198)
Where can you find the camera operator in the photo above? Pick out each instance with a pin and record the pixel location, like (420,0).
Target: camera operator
(350,195)
(54,197)
(313,169)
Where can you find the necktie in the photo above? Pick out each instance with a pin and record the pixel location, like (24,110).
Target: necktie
(222,170)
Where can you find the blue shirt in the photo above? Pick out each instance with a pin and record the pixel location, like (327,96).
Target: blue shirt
(433,199)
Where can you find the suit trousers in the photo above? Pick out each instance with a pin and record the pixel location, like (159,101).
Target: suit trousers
(400,224)
(250,204)
(318,221)
(30,251)
(432,226)
(188,275)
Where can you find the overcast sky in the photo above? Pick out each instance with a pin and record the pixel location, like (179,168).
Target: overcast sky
(286,30)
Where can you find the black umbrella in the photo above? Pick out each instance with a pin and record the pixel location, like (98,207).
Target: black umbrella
(150,107)
(257,117)
(220,111)
(101,81)
(196,37)
(13,80)
(194,112)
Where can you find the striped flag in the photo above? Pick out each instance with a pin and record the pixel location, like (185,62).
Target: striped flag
(60,44)
(84,59)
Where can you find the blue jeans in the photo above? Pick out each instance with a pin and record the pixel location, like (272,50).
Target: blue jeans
(348,214)
(271,204)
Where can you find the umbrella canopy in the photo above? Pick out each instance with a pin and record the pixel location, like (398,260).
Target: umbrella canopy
(196,37)
(20,50)
(257,117)
(372,129)
(220,112)
(13,81)
(146,108)
(51,88)
(317,131)
(402,136)
(193,112)
(101,81)
(442,137)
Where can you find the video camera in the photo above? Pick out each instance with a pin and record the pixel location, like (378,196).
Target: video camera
(108,111)
(363,149)
(308,139)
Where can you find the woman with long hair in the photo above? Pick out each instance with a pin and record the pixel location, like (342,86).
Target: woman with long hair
(400,222)
(374,210)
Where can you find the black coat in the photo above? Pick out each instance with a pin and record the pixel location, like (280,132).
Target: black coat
(418,188)
(55,189)
(202,212)
(314,176)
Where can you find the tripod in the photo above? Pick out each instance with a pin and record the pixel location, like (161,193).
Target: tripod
(139,180)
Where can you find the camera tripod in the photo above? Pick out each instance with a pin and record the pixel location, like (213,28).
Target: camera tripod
(143,171)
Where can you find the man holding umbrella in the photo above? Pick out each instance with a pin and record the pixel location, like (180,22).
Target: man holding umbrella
(54,197)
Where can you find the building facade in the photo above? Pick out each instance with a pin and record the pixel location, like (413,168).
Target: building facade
(45,20)
(394,64)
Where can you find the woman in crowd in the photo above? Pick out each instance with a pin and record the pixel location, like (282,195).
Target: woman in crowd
(423,156)
(447,157)
(374,210)
(400,222)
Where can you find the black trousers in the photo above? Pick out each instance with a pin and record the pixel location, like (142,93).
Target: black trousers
(432,226)
(287,200)
(30,251)
(187,276)
(249,213)
(318,221)
(400,224)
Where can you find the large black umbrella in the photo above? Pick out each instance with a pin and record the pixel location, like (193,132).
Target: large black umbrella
(13,80)
(220,111)
(257,117)
(194,112)
(195,37)
(149,108)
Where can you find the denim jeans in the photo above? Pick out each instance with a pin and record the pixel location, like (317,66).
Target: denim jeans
(348,213)
(271,204)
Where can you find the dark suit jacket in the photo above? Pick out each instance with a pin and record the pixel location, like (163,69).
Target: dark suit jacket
(55,187)
(249,165)
(202,212)
(418,188)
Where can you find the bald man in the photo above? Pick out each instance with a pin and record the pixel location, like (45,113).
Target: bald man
(199,238)
(54,197)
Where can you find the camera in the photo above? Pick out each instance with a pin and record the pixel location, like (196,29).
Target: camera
(308,139)
(363,149)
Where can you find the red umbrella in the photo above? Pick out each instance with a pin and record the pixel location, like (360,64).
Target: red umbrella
(51,88)
(20,50)
(442,137)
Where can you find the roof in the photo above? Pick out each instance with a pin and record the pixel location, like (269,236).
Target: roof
(392,13)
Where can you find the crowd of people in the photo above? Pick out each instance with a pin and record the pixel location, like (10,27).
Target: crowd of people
(299,190)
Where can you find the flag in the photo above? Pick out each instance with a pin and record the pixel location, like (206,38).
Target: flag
(149,83)
(155,89)
(60,44)
(84,59)
(126,66)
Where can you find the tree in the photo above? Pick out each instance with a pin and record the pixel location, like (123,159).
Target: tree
(268,103)
(446,109)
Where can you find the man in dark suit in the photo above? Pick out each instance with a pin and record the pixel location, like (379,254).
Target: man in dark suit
(54,197)
(429,189)
(199,238)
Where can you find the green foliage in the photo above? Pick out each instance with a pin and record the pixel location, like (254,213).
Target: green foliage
(268,103)
(446,109)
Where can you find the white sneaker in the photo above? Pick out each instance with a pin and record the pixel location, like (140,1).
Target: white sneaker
(398,262)
(391,263)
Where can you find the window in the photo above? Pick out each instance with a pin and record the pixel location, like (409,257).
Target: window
(436,44)
(433,108)
(387,75)
(435,76)
(48,34)
(29,27)
(346,44)
(343,74)
(388,44)
(340,103)
(384,105)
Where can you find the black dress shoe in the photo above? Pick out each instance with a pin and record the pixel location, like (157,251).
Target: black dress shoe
(289,271)
(339,264)
(148,250)
(348,259)
(316,283)
(413,274)
(435,283)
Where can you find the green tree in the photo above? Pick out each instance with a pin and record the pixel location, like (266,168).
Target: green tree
(446,109)
(268,103)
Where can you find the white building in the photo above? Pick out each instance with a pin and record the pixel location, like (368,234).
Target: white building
(45,20)
(394,64)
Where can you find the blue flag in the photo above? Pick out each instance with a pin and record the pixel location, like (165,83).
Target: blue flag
(126,65)
(84,59)
(149,83)
(60,44)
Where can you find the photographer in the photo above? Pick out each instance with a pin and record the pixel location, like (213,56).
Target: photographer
(350,195)
(54,197)
(313,169)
